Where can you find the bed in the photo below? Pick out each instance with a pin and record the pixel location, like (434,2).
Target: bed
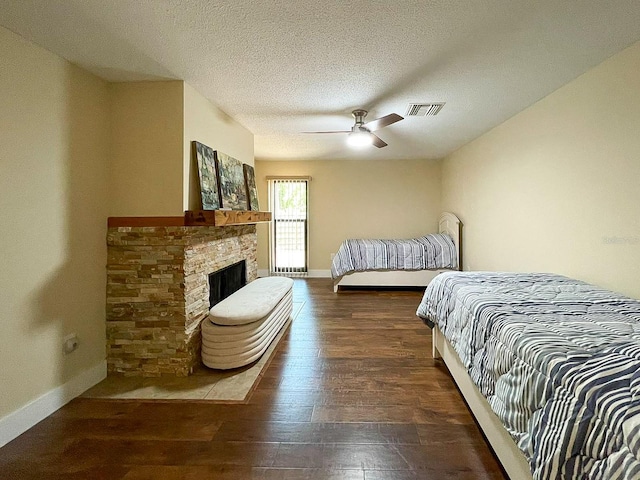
(550,367)
(411,262)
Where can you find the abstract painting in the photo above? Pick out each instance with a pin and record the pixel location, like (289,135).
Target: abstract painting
(232,187)
(252,191)
(208,174)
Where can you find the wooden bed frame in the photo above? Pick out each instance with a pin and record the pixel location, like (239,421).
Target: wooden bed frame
(510,456)
(449,224)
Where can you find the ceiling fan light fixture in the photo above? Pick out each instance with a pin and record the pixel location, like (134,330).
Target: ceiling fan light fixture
(361,134)
(359,139)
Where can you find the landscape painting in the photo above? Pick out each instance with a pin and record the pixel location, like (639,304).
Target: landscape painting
(208,174)
(233,190)
(252,191)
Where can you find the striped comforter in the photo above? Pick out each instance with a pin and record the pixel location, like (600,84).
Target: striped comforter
(557,359)
(430,252)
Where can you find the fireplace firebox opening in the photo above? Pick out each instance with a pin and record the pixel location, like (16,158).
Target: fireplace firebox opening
(226,281)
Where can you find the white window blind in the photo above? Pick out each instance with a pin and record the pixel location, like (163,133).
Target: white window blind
(288,202)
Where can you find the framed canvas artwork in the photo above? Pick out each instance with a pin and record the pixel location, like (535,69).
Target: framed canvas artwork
(252,191)
(233,191)
(208,175)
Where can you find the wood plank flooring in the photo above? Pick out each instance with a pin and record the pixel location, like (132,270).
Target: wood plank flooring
(352,393)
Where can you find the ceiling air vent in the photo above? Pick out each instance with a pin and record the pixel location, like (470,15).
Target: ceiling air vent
(423,109)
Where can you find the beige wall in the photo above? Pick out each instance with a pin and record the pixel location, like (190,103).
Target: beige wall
(353,199)
(74,150)
(153,124)
(146,165)
(207,124)
(53,155)
(557,187)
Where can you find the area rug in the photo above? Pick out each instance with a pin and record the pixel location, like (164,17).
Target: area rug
(205,384)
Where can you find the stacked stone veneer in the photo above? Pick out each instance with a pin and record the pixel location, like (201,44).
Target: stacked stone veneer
(158,293)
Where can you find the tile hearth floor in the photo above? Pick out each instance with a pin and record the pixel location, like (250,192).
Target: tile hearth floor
(204,384)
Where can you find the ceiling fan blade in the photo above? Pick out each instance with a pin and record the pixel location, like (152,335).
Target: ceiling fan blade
(378,142)
(334,131)
(381,122)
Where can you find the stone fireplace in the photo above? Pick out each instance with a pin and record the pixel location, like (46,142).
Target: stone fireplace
(158,292)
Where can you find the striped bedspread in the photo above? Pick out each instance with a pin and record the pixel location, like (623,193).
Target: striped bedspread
(430,252)
(557,359)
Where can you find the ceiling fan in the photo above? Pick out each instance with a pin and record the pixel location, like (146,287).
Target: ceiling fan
(361,134)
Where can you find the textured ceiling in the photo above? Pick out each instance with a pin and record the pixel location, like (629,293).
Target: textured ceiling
(282,67)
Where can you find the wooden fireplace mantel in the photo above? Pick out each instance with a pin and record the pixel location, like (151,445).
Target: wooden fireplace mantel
(194,218)
(221,218)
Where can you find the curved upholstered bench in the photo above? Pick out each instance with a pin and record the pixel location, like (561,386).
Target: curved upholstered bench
(240,328)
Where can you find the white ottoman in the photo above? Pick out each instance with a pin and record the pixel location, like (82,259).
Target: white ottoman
(240,328)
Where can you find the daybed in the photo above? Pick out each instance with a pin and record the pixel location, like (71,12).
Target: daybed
(411,262)
(550,367)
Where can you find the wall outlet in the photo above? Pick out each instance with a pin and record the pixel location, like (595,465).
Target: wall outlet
(70,343)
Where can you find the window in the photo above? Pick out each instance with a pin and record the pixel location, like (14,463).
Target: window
(288,202)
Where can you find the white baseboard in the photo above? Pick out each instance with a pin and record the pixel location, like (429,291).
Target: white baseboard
(310,273)
(319,274)
(24,418)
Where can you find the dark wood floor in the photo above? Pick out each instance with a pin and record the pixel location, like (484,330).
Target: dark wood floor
(351,393)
